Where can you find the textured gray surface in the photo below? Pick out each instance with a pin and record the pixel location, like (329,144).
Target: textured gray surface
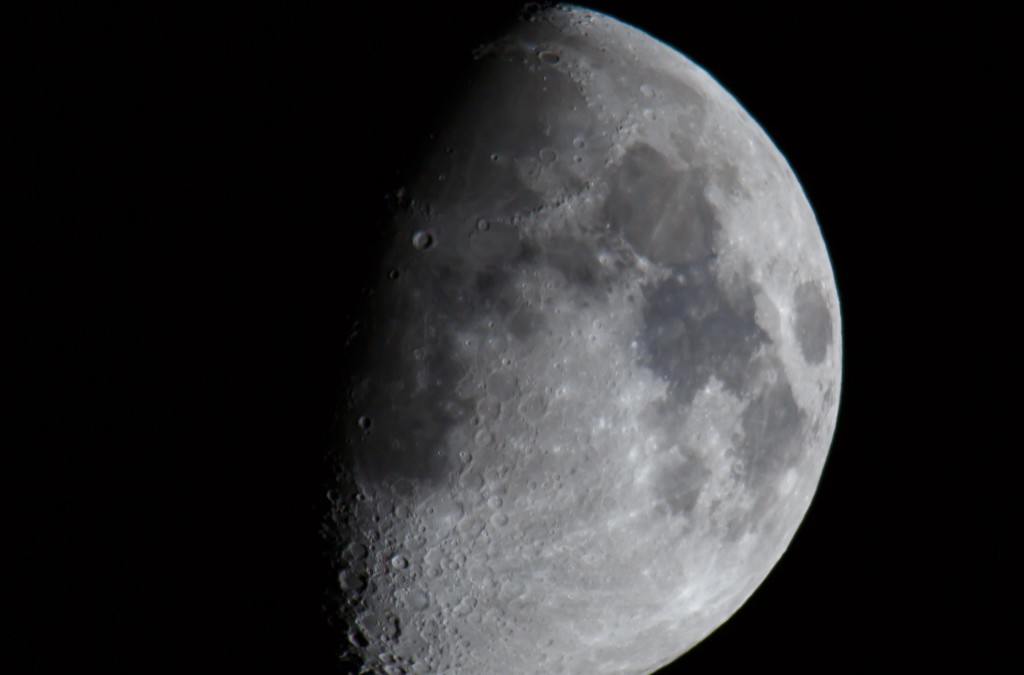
(603,369)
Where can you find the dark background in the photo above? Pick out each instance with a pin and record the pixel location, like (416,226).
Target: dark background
(197,201)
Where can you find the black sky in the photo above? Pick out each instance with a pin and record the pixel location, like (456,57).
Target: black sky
(195,208)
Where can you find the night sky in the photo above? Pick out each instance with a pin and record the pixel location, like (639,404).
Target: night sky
(197,204)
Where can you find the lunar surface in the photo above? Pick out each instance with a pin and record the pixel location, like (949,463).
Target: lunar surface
(596,387)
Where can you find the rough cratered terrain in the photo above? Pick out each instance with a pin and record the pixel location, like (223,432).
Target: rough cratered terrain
(600,373)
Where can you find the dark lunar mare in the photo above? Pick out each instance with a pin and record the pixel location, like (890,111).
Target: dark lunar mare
(694,329)
(812,323)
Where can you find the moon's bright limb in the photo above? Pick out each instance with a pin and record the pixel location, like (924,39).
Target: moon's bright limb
(601,371)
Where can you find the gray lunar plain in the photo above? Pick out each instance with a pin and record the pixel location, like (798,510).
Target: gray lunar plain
(602,371)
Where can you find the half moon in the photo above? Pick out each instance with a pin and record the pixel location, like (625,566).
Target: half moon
(600,376)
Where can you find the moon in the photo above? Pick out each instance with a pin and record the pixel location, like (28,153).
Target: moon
(595,389)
